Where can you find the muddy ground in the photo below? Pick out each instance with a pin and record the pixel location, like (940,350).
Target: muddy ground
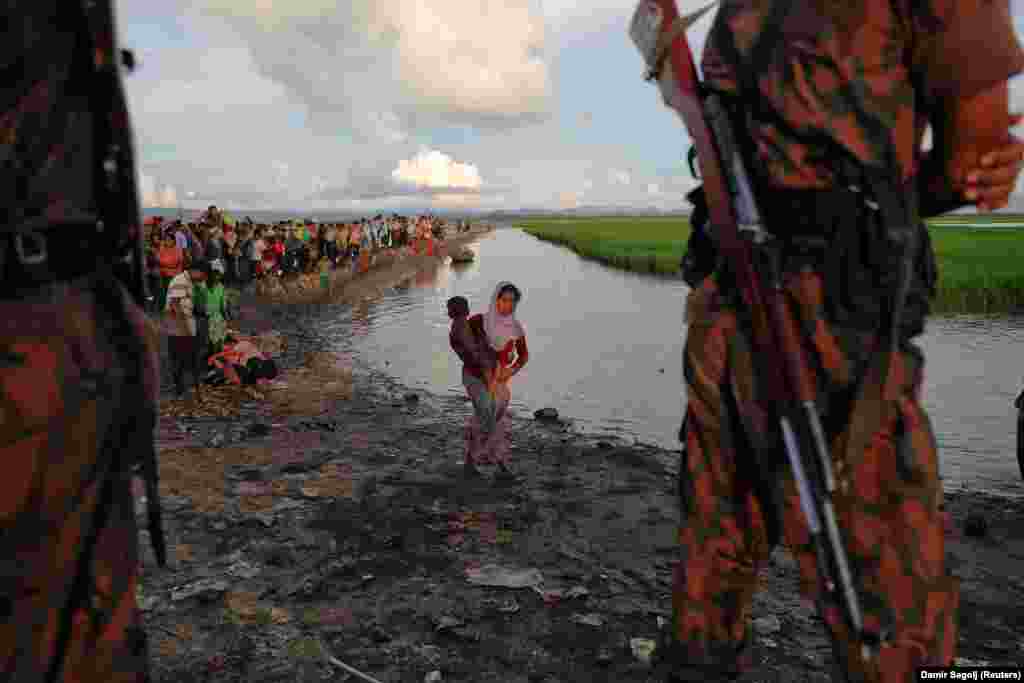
(336,523)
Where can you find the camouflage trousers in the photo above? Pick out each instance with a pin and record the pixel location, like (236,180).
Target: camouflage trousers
(69,396)
(889,503)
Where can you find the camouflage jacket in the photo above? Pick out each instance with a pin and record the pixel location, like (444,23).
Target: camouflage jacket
(866,75)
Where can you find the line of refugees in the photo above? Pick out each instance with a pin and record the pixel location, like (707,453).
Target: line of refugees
(249,252)
(192,264)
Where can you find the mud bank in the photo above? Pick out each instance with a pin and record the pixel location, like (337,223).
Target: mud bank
(387,268)
(353,533)
(339,525)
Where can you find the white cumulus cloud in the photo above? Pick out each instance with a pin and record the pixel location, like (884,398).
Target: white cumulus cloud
(568,200)
(618,177)
(152,195)
(433,170)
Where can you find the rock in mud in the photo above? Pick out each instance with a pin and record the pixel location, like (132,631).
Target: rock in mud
(412,398)
(446,623)
(259,429)
(243,570)
(205,589)
(643,649)
(975,526)
(766,626)
(546,414)
(594,620)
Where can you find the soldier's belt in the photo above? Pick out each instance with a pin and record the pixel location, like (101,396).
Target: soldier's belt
(30,259)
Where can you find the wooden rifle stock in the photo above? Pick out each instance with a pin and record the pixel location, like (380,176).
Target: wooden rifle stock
(783,364)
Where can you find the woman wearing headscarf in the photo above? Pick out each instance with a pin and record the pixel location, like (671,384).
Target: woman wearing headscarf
(507,337)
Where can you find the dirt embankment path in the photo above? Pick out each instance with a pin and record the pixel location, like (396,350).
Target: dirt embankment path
(335,522)
(343,286)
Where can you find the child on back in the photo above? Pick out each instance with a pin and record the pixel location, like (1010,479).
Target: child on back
(479,361)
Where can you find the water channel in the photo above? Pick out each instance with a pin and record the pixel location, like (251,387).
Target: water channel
(606,349)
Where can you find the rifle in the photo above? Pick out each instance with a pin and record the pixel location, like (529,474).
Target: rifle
(658,31)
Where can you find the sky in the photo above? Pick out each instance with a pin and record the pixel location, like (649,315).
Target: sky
(384,105)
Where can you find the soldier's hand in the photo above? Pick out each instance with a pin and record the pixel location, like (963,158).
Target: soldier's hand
(990,186)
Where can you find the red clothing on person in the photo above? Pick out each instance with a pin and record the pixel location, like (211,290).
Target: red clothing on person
(172,261)
(239,354)
(514,355)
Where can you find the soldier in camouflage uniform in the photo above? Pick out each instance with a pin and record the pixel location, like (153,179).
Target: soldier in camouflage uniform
(837,86)
(79,379)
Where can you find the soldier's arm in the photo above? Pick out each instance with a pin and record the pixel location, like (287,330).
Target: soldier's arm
(964,53)
(964,130)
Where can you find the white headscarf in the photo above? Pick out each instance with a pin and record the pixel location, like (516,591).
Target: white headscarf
(501,329)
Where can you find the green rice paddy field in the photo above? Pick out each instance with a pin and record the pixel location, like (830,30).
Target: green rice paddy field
(981,258)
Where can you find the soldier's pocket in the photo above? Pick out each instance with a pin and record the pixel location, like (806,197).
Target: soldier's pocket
(917,460)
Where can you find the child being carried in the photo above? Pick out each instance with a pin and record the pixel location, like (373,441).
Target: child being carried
(479,360)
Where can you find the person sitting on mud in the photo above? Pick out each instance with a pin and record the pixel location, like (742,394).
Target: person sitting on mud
(241,362)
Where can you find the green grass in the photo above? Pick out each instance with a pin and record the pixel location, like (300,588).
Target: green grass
(642,245)
(981,269)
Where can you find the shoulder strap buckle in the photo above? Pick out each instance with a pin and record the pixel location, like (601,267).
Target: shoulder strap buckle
(30,248)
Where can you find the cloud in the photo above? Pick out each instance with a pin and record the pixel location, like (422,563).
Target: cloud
(383,68)
(434,171)
(568,200)
(428,173)
(456,201)
(618,177)
(289,106)
(313,103)
(153,195)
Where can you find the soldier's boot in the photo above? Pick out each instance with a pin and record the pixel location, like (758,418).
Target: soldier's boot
(672,660)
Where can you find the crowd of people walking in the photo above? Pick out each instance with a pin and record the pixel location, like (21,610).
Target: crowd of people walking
(191,266)
(245,251)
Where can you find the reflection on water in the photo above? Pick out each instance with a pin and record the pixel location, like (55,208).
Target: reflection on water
(606,349)
(971,380)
